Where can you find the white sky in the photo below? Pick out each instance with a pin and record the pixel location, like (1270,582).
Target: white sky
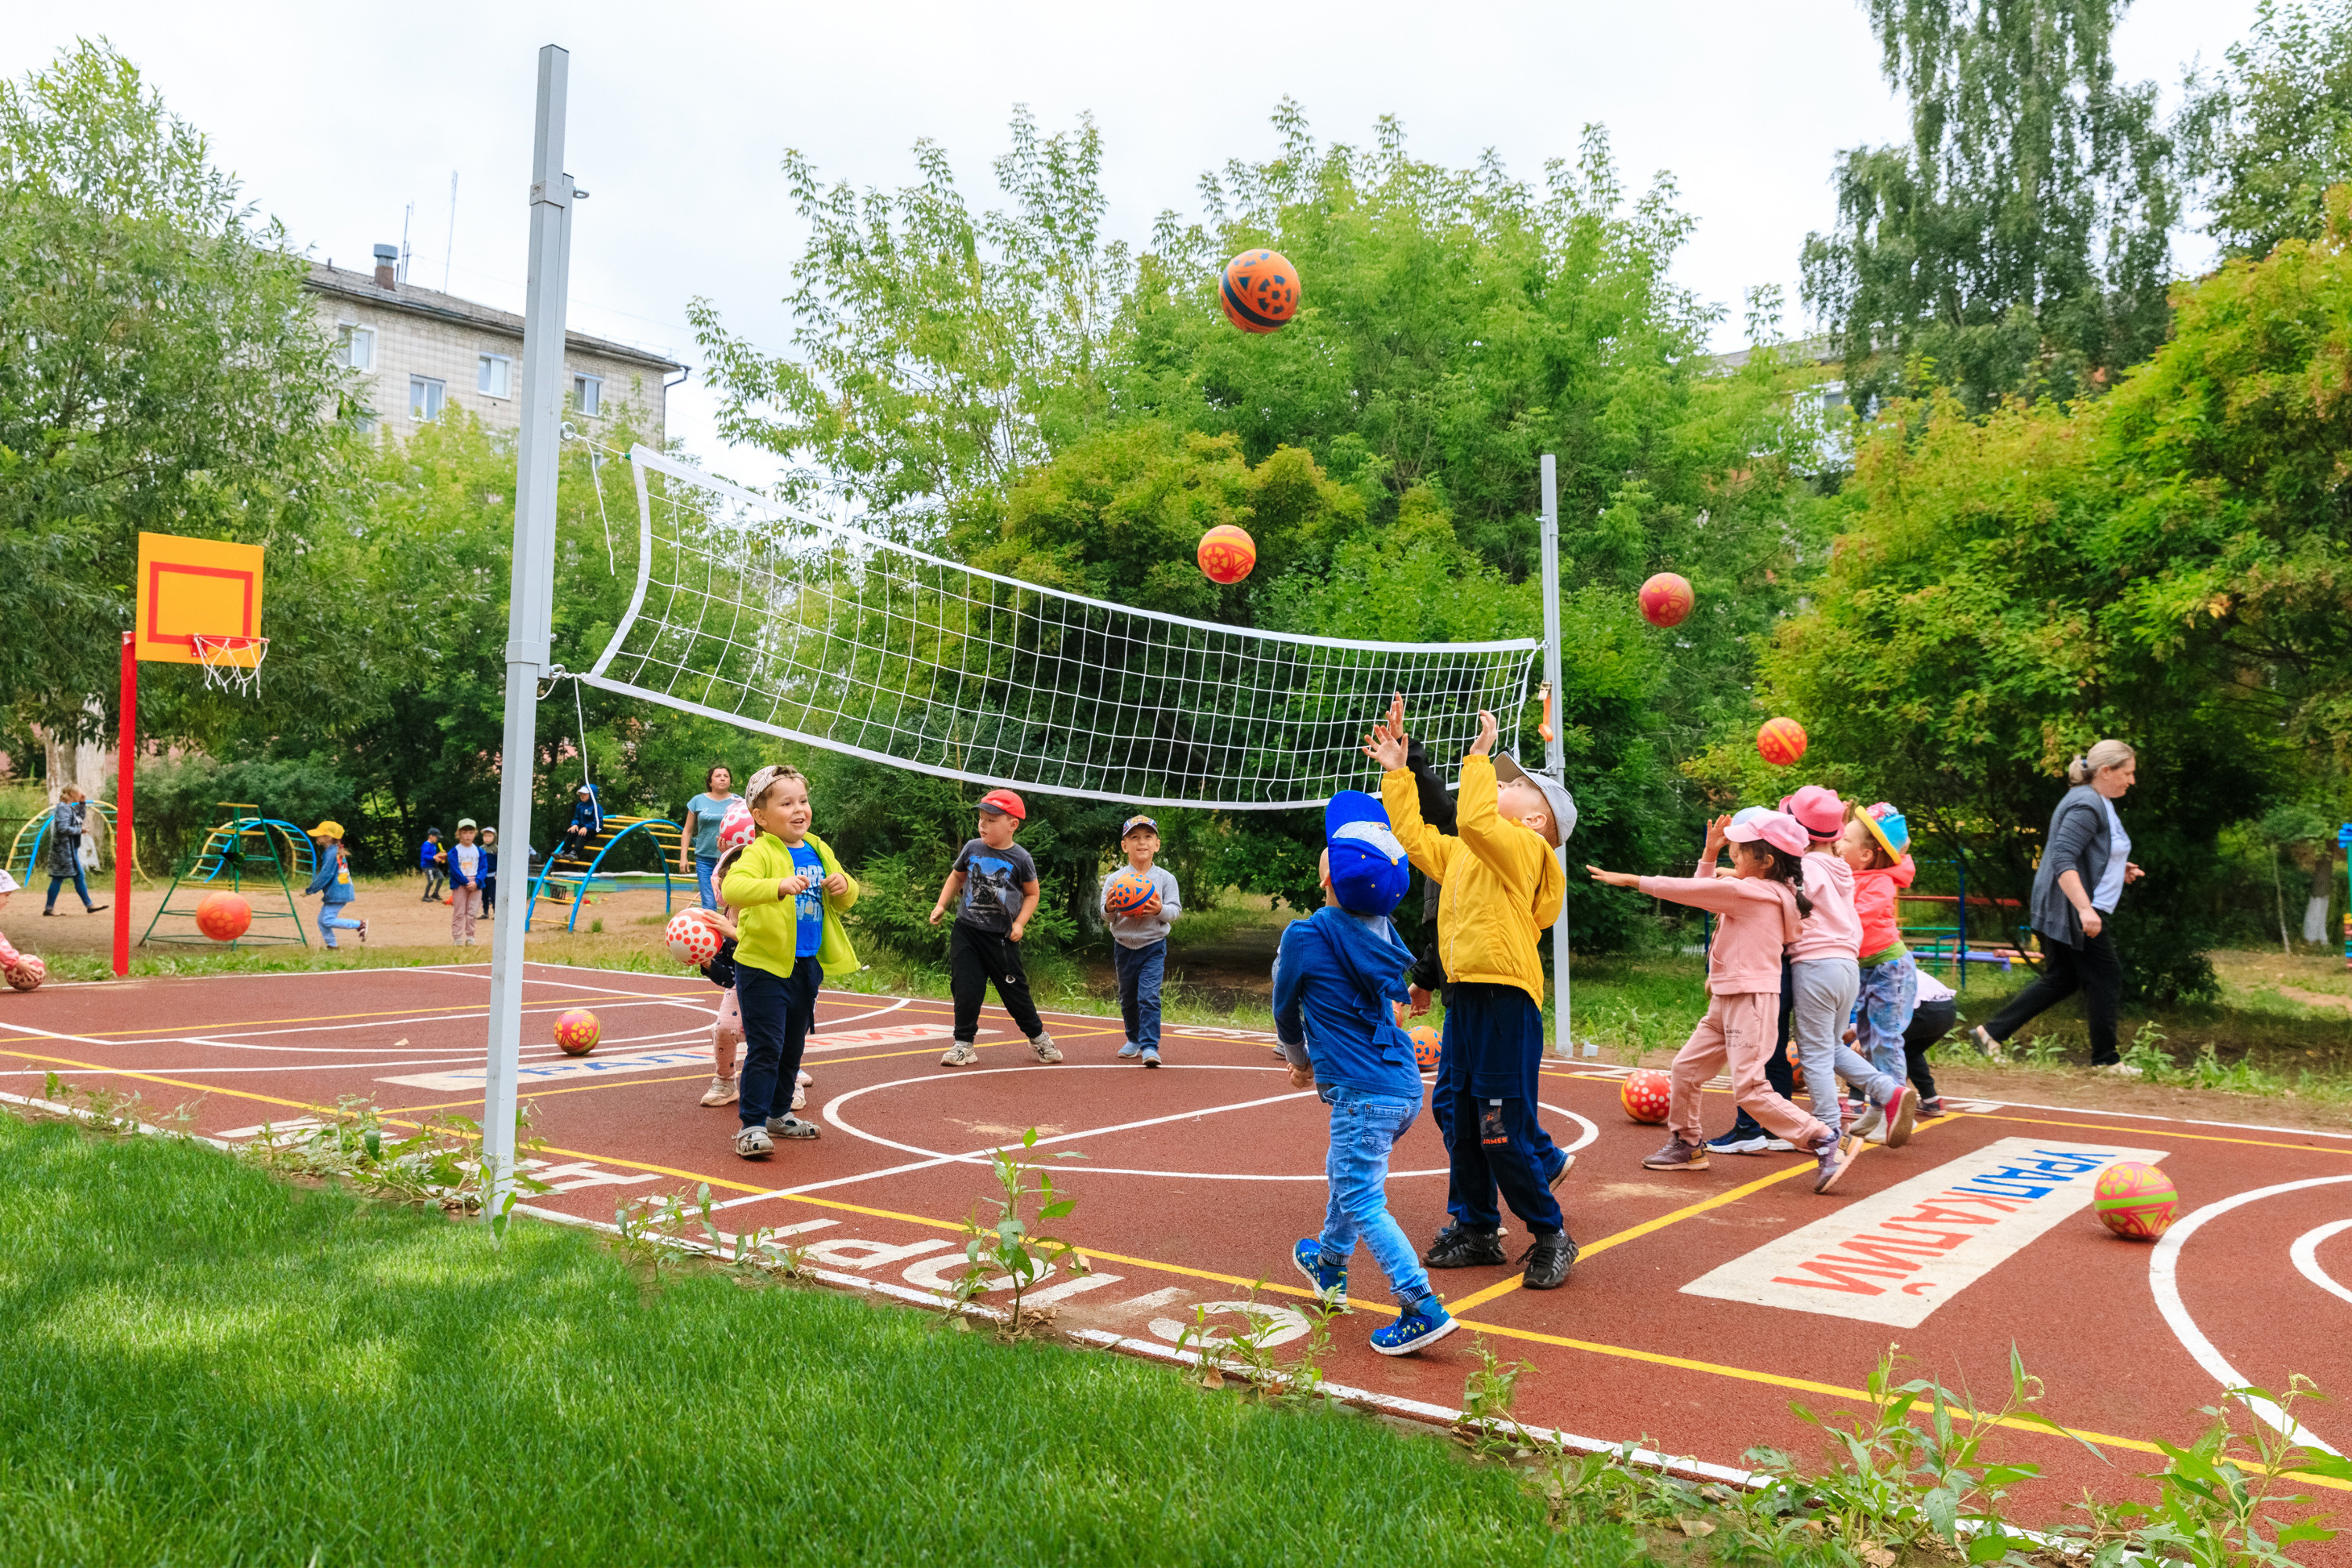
(337,117)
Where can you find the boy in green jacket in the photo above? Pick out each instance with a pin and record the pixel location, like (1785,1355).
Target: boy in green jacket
(792,892)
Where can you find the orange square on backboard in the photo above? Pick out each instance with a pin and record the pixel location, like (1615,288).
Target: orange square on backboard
(194,587)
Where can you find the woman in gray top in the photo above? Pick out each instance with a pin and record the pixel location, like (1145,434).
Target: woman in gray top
(2086,862)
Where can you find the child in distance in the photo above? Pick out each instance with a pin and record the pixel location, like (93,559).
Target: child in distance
(1139,938)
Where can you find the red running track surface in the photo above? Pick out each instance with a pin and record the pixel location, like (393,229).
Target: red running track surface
(1679,1326)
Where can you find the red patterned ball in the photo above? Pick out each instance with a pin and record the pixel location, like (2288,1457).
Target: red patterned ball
(1781,741)
(2136,1199)
(693,941)
(577,1032)
(223,917)
(1666,599)
(28,973)
(1227,553)
(1647,1095)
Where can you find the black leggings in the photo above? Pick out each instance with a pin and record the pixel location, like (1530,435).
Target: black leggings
(2092,969)
(1930,1022)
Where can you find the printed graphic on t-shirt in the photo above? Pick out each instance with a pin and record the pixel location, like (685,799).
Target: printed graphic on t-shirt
(993,882)
(809,931)
(468,857)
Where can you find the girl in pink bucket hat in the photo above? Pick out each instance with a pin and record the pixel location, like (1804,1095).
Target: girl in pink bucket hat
(1762,907)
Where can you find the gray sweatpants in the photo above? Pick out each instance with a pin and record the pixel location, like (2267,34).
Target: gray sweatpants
(1826,988)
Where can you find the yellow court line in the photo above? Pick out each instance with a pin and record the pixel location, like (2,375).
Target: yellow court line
(2159,1132)
(1504,1330)
(176,1031)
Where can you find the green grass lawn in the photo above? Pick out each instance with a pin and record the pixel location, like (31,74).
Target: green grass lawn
(206,1365)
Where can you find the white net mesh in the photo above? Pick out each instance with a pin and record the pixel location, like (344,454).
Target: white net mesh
(787,624)
(231,663)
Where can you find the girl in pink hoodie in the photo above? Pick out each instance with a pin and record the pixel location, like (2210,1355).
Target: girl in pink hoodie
(1761,909)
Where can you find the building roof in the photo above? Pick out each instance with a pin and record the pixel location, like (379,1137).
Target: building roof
(338,282)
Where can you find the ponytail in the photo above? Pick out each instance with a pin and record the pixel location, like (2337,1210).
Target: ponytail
(2098,760)
(1782,867)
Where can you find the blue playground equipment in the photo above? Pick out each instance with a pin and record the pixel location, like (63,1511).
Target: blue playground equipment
(576,877)
(231,860)
(30,841)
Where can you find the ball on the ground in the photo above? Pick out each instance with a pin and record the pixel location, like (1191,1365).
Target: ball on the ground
(1425,1043)
(1647,1095)
(1781,741)
(1259,291)
(223,917)
(1127,892)
(28,973)
(1666,599)
(693,941)
(736,828)
(1227,553)
(2136,1199)
(577,1032)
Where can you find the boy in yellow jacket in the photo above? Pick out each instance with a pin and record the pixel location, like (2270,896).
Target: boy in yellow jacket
(1503,886)
(792,893)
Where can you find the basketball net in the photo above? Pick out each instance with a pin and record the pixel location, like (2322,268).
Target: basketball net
(232,664)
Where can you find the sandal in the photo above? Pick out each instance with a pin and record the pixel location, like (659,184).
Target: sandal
(1983,1042)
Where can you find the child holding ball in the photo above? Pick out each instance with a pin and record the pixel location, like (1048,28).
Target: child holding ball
(1762,907)
(1139,938)
(790,939)
(13,964)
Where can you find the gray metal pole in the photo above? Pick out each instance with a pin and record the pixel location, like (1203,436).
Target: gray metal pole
(529,605)
(1554,756)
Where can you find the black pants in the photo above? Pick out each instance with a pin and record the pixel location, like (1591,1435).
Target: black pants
(1486,1076)
(489,895)
(436,879)
(777,1012)
(2092,969)
(976,957)
(1930,1022)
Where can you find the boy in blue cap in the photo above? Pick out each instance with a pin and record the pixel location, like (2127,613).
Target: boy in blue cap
(1336,979)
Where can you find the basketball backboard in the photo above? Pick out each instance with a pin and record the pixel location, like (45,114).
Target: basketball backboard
(196,587)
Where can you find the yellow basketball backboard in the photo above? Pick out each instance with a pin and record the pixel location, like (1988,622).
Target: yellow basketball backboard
(194,587)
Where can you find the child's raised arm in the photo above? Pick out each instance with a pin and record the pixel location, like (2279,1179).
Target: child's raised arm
(1424,846)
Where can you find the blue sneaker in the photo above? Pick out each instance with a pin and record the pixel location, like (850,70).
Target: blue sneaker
(1415,1327)
(1129,1051)
(1740,1140)
(1151,1056)
(1329,1280)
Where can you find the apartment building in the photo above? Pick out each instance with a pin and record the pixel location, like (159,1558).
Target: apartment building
(420,353)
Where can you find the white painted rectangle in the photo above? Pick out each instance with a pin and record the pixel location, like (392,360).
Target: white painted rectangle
(561,1068)
(882,1034)
(1895,1257)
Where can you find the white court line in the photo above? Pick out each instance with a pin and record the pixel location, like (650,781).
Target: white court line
(2306,1253)
(2163,1283)
(2177,1121)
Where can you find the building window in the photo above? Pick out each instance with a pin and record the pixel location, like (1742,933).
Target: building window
(355,346)
(494,375)
(425,397)
(588,395)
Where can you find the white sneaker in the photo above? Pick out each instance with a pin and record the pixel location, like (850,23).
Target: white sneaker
(1049,1053)
(804,1080)
(800,1094)
(959,1055)
(722,1091)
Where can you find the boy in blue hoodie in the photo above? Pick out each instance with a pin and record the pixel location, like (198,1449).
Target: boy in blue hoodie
(1336,979)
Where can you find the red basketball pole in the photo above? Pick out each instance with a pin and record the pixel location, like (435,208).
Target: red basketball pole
(128,738)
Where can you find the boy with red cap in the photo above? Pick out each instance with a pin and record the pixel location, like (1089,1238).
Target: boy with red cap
(998,883)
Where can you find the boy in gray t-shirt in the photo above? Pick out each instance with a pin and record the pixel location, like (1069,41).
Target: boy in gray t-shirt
(1139,938)
(997,883)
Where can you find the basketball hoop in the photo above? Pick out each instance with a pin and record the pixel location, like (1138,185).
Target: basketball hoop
(232,663)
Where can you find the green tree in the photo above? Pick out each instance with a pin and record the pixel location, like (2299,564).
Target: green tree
(159,370)
(2265,137)
(2020,242)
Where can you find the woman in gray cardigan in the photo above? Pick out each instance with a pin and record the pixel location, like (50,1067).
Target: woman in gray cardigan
(2086,862)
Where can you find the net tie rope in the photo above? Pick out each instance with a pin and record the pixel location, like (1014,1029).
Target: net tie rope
(784,623)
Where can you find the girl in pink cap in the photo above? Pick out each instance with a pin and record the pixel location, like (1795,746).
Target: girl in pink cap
(1762,907)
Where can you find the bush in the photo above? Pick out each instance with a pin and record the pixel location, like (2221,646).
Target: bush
(180,797)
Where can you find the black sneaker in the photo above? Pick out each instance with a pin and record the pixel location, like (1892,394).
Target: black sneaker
(1458,1247)
(1548,1260)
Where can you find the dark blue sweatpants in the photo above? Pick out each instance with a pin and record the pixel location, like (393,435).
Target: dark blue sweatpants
(1485,1104)
(777,1012)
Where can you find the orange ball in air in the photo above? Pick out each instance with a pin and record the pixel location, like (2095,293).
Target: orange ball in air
(1259,291)
(223,917)
(1666,599)
(1781,741)
(1227,553)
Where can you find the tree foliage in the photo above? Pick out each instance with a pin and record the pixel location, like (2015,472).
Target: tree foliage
(2021,242)
(2265,138)
(158,372)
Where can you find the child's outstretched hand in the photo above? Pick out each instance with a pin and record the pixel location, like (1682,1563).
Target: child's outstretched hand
(1614,878)
(1487,730)
(1387,745)
(1715,838)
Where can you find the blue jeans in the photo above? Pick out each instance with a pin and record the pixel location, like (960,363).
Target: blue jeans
(704,865)
(81,886)
(331,920)
(1139,972)
(1364,1128)
(777,1012)
(1882,1012)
